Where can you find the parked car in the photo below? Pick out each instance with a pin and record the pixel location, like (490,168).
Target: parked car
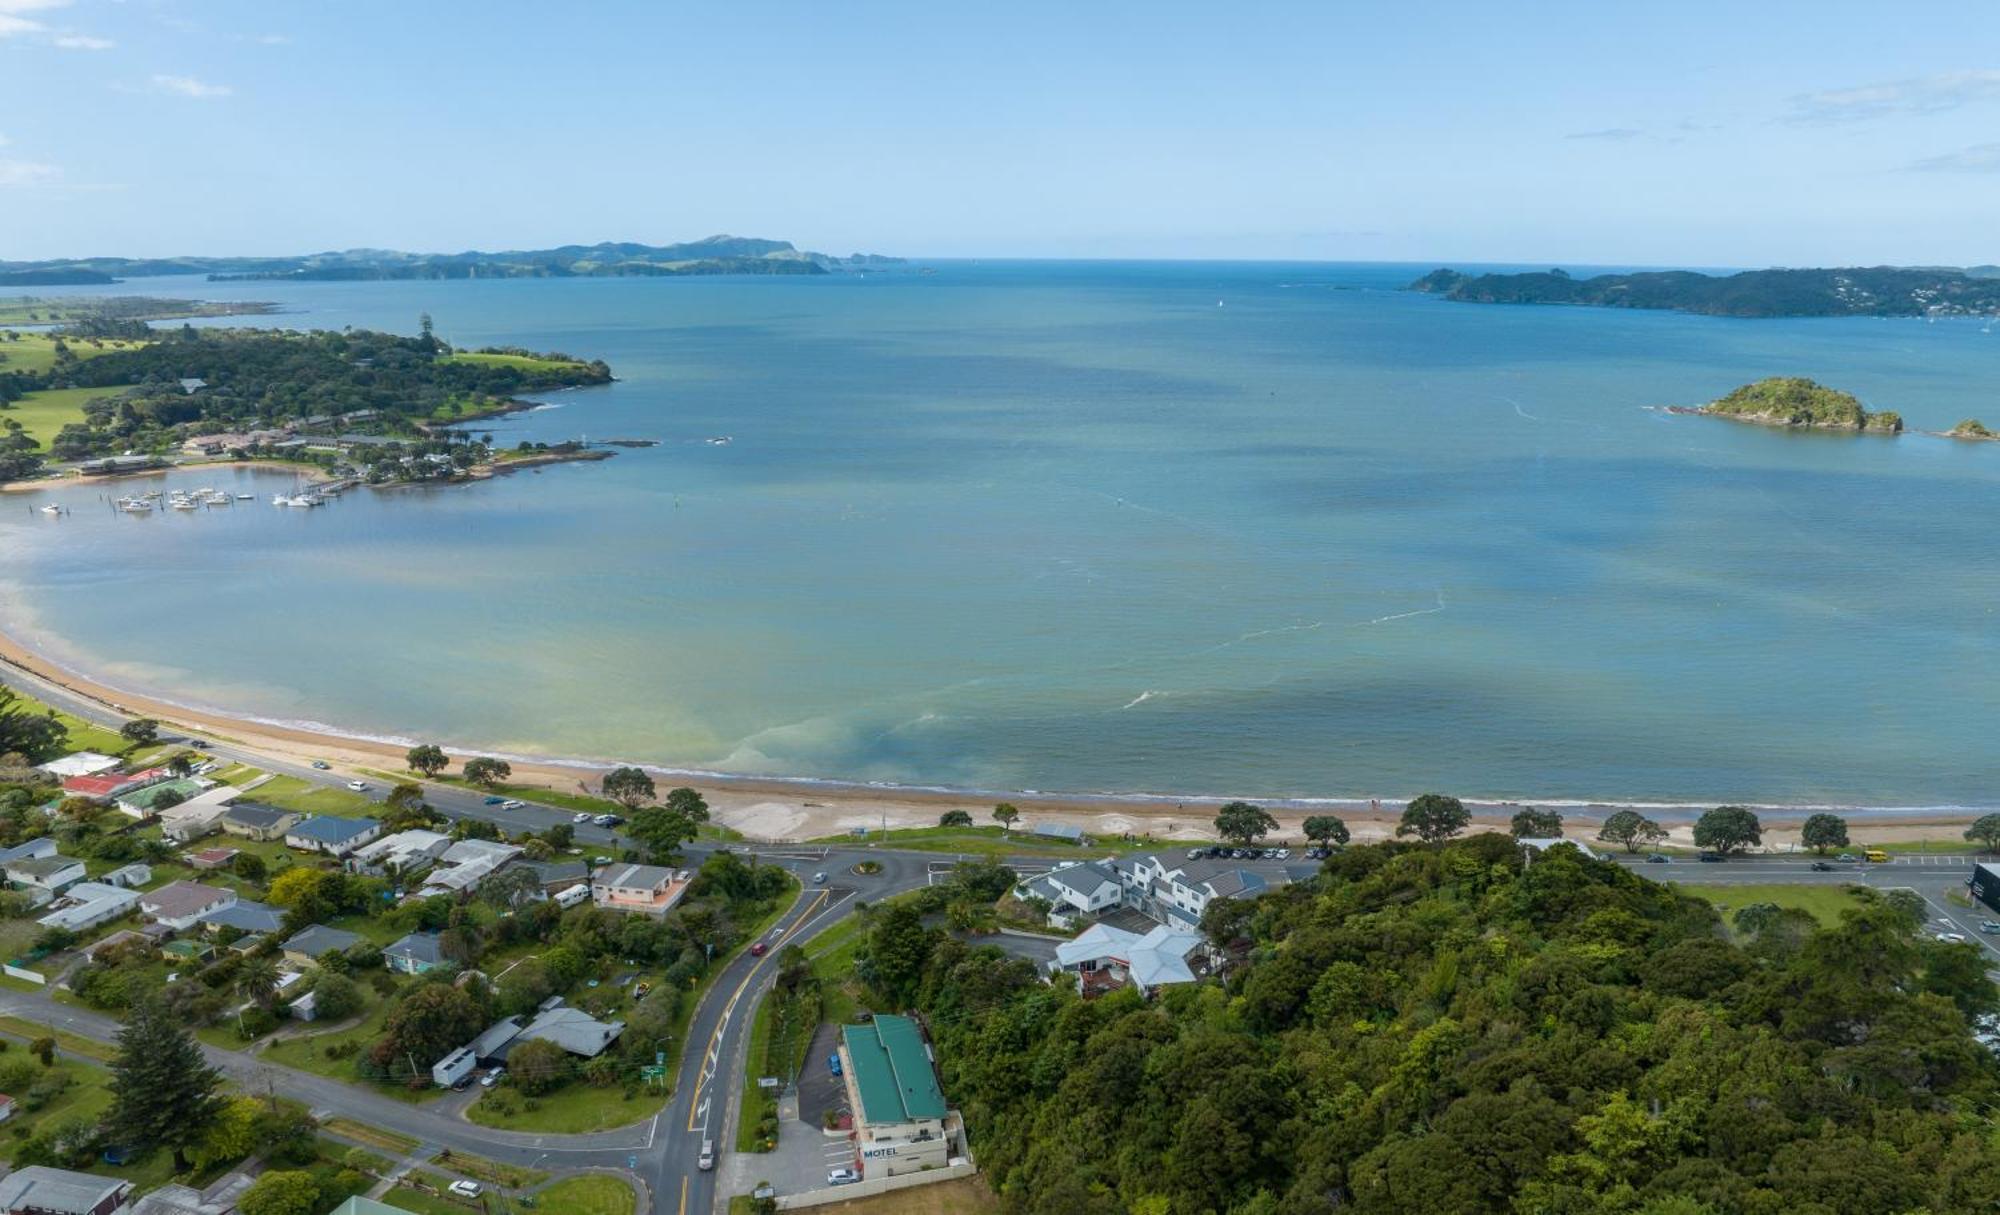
(1284,854)
(1847,858)
(1821,867)
(580,816)
(464,1189)
(833,1064)
(359,786)
(706,1160)
(493,801)
(1952,938)
(842,1176)
(492,1078)
(607,820)
(1195,854)
(461,1084)
(1712,857)
(322,765)
(512,803)
(199,744)
(1989,925)
(1659,858)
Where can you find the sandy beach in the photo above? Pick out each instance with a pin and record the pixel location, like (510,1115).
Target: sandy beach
(782,810)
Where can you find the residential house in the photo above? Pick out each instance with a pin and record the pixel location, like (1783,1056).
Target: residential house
(257,822)
(403,851)
(467,863)
(1177,892)
(46,875)
(79,763)
(491,1046)
(556,875)
(1086,888)
(179,905)
(1114,956)
(307,947)
(244,915)
(358,1205)
(213,858)
(414,954)
(87,904)
(573,1029)
(172,1199)
(901,1123)
(331,834)
(6,1107)
(113,785)
(648,888)
(42,1190)
(198,816)
(131,876)
(38,847)
(139,803)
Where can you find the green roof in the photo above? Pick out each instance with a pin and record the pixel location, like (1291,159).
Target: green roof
(892,1071)
(144,798)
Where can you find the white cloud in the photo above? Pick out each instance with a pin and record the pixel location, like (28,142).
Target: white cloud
(188,86)
(1979,158)
(26,173)
(83,42)
(1923,95)
(11,25)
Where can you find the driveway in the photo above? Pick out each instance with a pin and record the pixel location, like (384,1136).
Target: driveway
(819,1089)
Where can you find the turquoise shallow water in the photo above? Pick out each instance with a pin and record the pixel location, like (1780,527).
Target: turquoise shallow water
(1259,529)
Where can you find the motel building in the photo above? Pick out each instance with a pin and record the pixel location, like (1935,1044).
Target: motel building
(901,1124)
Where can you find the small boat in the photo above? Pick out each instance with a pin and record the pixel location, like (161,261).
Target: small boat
(52,509)
(186,504)
(246,497)
(136,506)
(718,441)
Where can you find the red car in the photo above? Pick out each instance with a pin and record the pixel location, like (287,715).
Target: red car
(757,950)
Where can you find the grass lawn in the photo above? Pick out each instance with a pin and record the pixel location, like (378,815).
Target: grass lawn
(492,1172)
(989,842)
(83,736)
(588,1194)
(1824,902)
(308,1053)
(295,793)
(410,1198)
(792,1021)
(37,351)
(546,795)
(521,361)
(375,1136)
(43,414)
(75,1044)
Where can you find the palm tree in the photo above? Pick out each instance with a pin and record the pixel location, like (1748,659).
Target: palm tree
(258,981)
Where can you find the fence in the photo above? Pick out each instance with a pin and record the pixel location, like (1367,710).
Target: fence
(33,976)
(879,1185)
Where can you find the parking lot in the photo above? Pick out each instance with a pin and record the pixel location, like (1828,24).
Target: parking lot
(805,1152)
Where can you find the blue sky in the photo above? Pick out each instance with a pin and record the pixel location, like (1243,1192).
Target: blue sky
(1679,134)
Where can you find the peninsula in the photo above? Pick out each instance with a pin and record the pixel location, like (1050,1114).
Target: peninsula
(1854,291)
(609,259)
(1796,402)
(376,406)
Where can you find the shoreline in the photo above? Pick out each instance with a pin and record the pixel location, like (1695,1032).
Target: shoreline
(781,809)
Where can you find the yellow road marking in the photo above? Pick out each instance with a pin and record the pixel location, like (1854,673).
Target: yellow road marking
(694,1097)
(684,1194)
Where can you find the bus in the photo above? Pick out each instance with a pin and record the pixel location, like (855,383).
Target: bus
(1876,856)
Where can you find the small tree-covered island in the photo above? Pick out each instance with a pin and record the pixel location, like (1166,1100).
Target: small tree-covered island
(1794,401)
(1848,291)
(379,407)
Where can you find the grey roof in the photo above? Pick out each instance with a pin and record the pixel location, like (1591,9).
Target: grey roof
(1061,831)
(176,899)
(40,846)
(557,873)
(41,1188)
(418,947)
(320,940)
(248,915)
(253,814)
(497,1036)
(634,877)
(331,828)
(1041,887)
(42,866)
(573,1029)
(1084,879)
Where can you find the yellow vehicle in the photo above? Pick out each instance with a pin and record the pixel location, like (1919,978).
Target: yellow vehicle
(1876,855)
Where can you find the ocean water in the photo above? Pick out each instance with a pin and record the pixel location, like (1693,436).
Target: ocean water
(1272,530)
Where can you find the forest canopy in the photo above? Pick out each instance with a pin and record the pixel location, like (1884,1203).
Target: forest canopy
(1438,1029)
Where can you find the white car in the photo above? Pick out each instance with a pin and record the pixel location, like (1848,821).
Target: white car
(842,1176)
(492,1078)
(512,804)
(1952,938)
(465,1189)
(580,817)
(359,786)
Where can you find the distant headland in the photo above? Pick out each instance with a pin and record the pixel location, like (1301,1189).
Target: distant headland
(1855,291)
(709,256)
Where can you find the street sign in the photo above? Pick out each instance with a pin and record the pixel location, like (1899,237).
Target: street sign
(660,1058)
